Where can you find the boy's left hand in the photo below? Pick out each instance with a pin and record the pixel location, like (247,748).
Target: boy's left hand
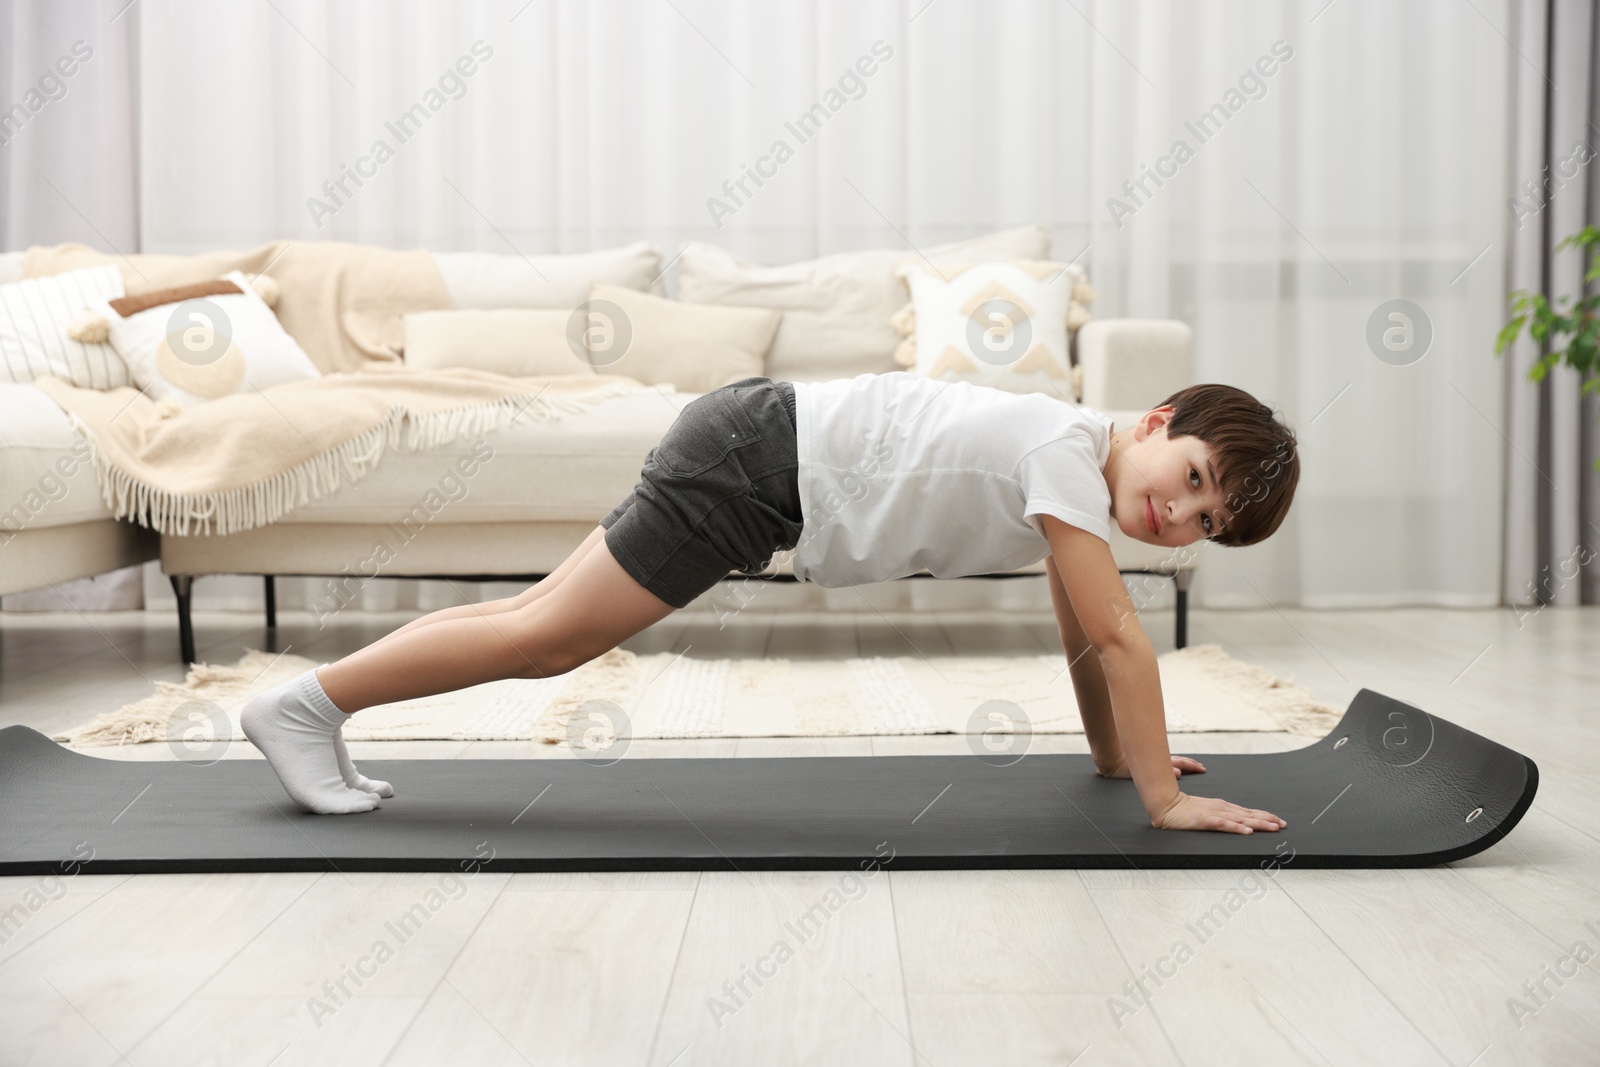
(1181,765)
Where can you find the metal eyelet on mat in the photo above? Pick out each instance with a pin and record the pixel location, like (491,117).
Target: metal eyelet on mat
(1340,743)
(1474,813)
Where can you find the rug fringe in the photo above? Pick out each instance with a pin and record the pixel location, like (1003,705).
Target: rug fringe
(150,719)
(1291,705)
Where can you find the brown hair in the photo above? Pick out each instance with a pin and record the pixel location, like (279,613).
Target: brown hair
(1258,460)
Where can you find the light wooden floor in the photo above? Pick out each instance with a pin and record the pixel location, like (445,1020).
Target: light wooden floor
(940,969)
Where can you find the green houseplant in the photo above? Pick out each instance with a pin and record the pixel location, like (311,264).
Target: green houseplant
(1570,330)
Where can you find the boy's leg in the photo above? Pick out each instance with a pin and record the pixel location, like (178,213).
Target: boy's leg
(594,608)
(494,607)
(353,778)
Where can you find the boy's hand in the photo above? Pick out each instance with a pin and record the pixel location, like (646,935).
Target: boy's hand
(1181,765)
(1206,813)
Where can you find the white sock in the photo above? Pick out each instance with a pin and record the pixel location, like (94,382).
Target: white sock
(352,777)
(294,726)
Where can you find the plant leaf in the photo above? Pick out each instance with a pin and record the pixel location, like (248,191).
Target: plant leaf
(1508,333)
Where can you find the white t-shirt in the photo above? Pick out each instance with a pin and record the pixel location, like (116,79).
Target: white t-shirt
(901,474)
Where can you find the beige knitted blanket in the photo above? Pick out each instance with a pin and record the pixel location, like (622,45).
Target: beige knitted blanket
(244,460)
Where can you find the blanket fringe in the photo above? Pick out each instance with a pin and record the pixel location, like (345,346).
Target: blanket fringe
(230,511)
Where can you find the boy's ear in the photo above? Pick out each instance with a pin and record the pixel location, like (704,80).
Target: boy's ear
(1153,420)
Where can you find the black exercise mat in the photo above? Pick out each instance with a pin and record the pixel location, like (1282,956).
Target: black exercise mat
(1391,786)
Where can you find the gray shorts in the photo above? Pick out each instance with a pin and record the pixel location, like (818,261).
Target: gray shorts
(720,493)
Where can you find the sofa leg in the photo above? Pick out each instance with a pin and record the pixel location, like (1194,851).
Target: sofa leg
(272,601)
(1182,578)
(183,586)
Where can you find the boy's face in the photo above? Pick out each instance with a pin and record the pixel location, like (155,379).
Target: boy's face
(1175,478)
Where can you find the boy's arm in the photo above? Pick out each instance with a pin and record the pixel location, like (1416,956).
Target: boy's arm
(1088,680)
(1106,617)
(1089,684)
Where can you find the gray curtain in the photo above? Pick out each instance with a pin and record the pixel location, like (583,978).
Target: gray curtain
(1552,431)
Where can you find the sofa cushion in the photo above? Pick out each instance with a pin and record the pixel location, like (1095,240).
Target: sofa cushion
(969,318)
(35,314)
(837,309)
(195,343)
(695,347)
(489,280)
(47,476)
(517,342)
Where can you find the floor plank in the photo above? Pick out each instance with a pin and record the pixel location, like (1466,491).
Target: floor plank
(134,956)
(788,967)
(802,639)
(1452,960)
(231,1031)
(562,969)
(1000,931)
(1033,1030)
(32,906)
(1225,972)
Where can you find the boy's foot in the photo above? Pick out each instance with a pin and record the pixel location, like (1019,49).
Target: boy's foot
(352,777)
(294,726)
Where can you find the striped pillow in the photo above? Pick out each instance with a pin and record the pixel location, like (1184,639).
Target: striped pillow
(34,316)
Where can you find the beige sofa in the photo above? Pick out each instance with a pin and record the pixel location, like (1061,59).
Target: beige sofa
(522,512)
(54,526)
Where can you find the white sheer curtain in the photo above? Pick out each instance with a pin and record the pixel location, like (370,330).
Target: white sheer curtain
(1369,165)
(599,123)
(69,124)
(69,140)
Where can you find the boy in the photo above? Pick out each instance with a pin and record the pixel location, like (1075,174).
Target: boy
(868,479)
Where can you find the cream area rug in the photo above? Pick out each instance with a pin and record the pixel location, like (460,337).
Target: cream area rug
(665,695)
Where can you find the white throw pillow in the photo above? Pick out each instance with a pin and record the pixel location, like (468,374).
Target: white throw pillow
(973,319)
(34,316)
(836,309)
(517,342)
(488,280)
(659,341)
(198,342)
